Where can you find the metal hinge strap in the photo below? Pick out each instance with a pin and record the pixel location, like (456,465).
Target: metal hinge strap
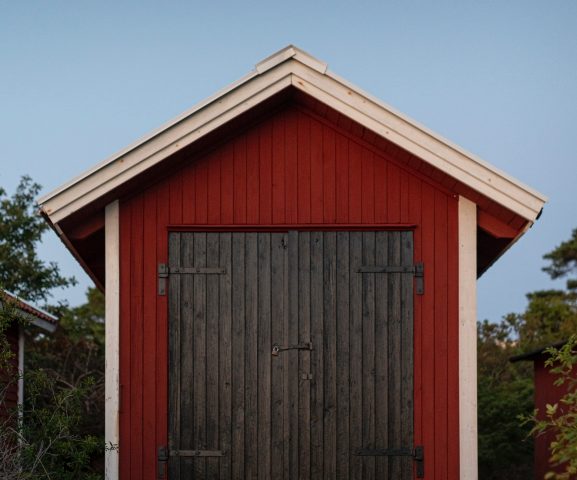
(418,270)
(164,271)
(418,455)
(162,459)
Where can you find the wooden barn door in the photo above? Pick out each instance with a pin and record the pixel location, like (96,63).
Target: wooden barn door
(291,355)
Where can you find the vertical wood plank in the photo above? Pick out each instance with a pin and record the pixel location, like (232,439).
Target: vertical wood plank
(291,167)
(252,178)
(393,194)
(278,170)
(453,339)
(317,367)
(201,190)
(149,335)
(428,335)
(406,365)
(343,360)
(330,354)
(278,320)
(381,355)
(265,173)
(176,199)
(329,175)
(368,187)
(356,354)
(239,182)
(212,354)
(381,187)
(125,323)
(225,355)
(227,183)
(355,182)
(316,172)
(238,347)
(162,324)
(394,337)
(304,168)
(199,315)
(188,183)
(187,384)
(342,179)
(292,355)
(250,356)
(174,358)
(304,357)
(368,355)
(136,339)
(213,186)
(264,356)
(441,346)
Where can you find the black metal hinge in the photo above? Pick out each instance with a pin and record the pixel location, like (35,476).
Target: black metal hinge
(417,453)
(161,460)
(164,271)
(418,270)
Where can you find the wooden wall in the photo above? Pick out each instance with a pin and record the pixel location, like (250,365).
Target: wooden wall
(295,168)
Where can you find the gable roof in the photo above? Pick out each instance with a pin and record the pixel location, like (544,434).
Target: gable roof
(38,317)
(291,67)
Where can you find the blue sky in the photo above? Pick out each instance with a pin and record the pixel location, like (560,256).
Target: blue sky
(80,80)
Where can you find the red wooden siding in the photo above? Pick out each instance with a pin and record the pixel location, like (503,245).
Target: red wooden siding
(546,392)
(295,168)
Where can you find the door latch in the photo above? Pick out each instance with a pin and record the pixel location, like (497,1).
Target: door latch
(276,348)
(162,460)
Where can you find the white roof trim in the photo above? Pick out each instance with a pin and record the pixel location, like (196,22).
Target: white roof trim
(292,66)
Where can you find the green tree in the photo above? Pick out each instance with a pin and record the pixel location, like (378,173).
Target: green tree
(61,435)
(22,272)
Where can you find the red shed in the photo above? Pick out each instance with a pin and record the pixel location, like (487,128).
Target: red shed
(12,392)
(290,273)
(546,392)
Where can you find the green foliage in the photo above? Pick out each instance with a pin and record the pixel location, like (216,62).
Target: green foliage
(22,272)
(561,417)
(563,260)
(58,433)
(73,354)
(505,391)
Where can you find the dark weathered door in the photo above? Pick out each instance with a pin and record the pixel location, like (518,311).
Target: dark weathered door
(291,355)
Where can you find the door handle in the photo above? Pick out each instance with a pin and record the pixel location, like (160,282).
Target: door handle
(276,348)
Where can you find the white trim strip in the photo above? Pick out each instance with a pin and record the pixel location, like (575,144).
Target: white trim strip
(112,305)
(21,346)
(468,339)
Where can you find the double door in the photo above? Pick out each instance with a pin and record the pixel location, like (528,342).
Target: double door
(291,355)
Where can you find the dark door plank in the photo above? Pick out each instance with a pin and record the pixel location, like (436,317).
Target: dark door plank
(342,355)
(317,314)
(225,355)
(264,356)
(238,347)
(304,357)
(250,355)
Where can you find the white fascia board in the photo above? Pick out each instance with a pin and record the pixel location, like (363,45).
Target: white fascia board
(292,66)
(143,156)
(291,52)
(409,135)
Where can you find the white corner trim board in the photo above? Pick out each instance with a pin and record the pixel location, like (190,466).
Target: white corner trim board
(112,317)
(468,339)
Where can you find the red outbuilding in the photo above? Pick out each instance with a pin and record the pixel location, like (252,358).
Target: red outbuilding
(12,382)
(290,272)
(546,393)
